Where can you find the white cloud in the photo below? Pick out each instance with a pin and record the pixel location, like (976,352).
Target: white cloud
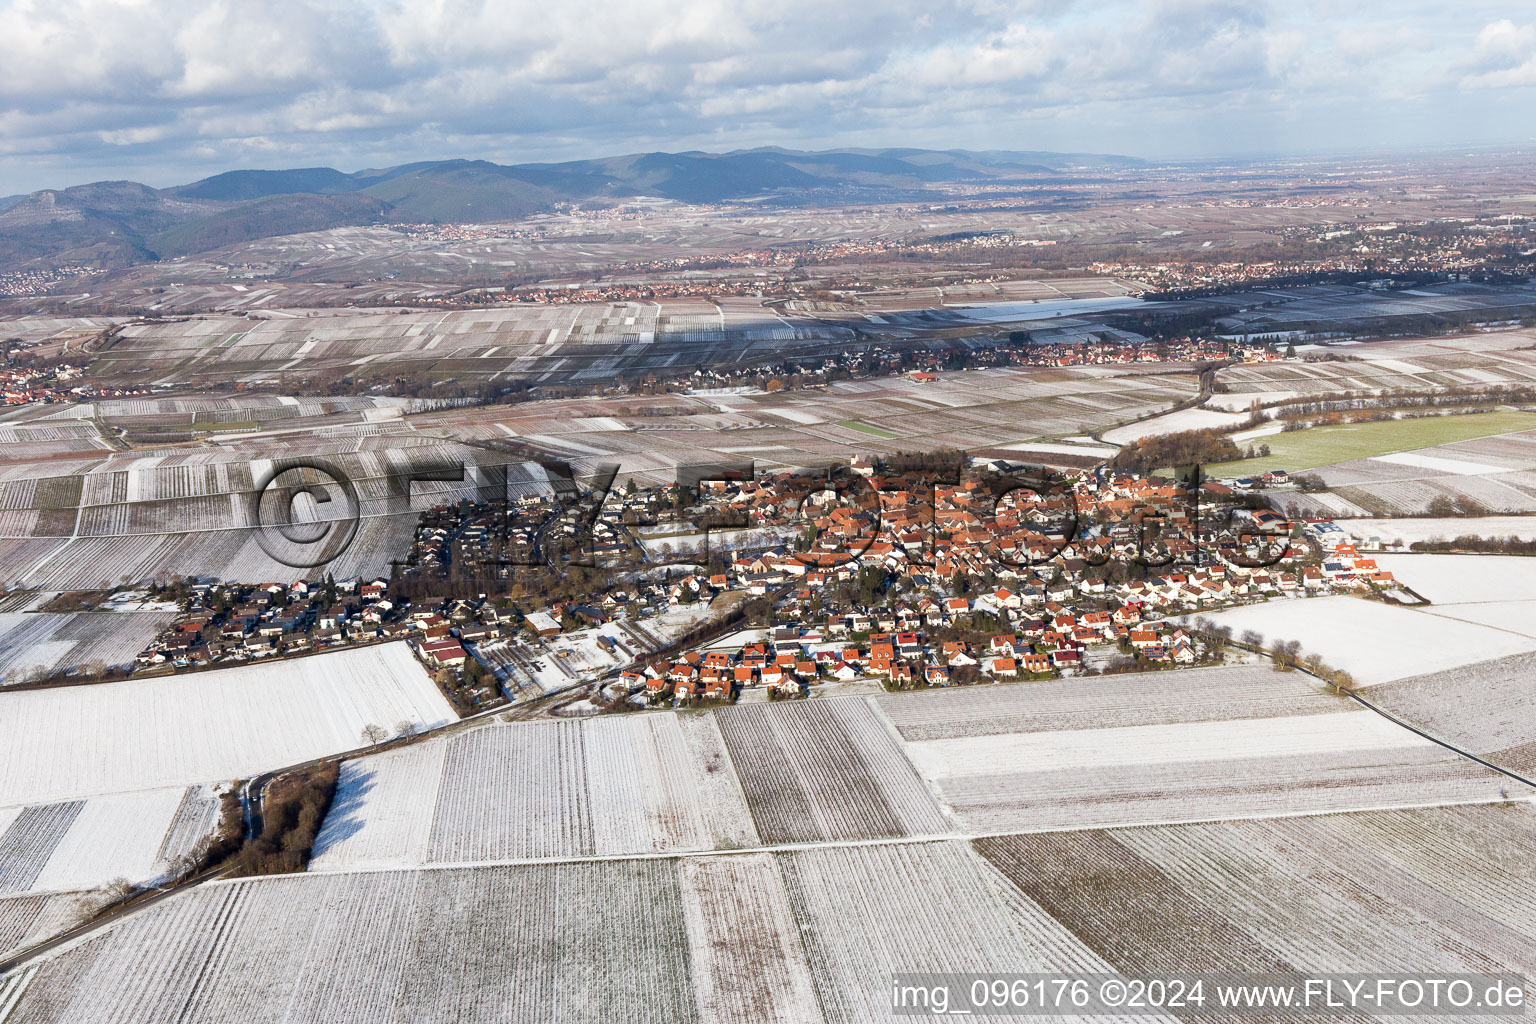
(1505,55)
(179,87)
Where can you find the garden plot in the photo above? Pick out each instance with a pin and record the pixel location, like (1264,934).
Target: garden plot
(634,784)
(1437,890)
(507,943)
(1375,642)
(825,769)
(73,742)
(1488,709)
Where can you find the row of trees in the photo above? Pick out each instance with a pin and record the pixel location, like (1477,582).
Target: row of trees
(1284,655)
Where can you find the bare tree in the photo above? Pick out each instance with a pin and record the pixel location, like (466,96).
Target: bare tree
(374,734)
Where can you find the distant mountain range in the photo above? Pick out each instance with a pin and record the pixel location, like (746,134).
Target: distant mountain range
(118,223)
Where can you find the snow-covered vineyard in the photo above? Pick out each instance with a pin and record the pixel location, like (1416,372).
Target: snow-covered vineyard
(1115,750)
(85,844)
(810,935)
(1187,746)
(34,642)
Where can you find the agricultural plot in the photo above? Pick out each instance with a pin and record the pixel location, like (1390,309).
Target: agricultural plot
(1451,580)
(1324,446)
(749,963)
(74,742)
(25,920)
(628,785)
(1173,423)
(35,642)
(804,937)
(1424,890)
(1403,532)
(810,935)
(989,409)
(543,343)
(825,770)
(1133,699)
(867,912)
(1496,592)
(508,943)
(1495,473)
(1488,709)
(1375,642)
(85,844)
(198,512)
(1175,746)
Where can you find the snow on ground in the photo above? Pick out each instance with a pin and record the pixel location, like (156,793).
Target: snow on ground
(383,809)
(75,846)
(1458,467)
(1375,642)
(78,741)
(1409,530)
(32,641)
(1174,423)
(1088,447)
(1396,366)
(1159,744)
(1462,579)
(617,784)
(1239,401)
(1266,430)
(677,620)
(719,540)
(1493,591)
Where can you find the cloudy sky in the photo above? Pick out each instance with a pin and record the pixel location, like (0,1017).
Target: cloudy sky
(166,91)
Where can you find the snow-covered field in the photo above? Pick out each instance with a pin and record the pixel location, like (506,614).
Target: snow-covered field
(79,741)
(809,936)
(1488,708)
(1132,699)
(1375,642)
(1489,591)
(630,784)
(1433,890)
(42,641)
(1148,745)
(486,944)
(1409,530)
(1459,467)
(1174,423)
(1203,744)
(1463,579)
(78,845)
(826,769)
